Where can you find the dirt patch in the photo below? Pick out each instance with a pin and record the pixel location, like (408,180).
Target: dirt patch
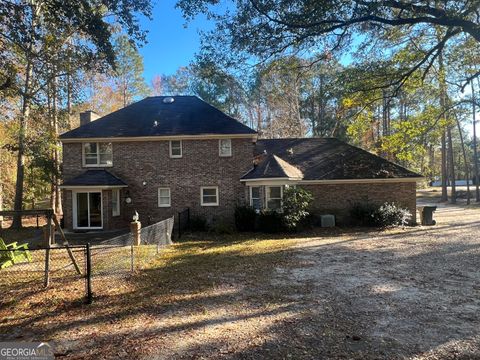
(410,293)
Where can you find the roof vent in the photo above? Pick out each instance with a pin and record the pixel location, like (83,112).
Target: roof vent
(168,100)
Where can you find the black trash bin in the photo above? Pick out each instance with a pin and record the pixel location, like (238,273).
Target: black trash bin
(426,214)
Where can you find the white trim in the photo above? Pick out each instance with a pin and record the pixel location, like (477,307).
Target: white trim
(92,187)
(267,196)
(98,165)
(170,149)
(116,193)
(161,138)
(220,148)
(169,197)
(201,195)
(74,209)
(266,181)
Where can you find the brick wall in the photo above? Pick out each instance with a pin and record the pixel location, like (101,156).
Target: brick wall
(337,199)
(136,162)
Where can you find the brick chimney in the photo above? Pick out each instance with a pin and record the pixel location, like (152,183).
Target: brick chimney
(88,116)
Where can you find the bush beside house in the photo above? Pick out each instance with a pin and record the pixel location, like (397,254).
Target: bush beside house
(373,215)
(295,205)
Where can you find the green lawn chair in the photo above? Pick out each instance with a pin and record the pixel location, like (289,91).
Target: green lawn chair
(11,254)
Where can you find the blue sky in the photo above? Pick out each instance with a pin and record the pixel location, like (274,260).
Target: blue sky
(170,44)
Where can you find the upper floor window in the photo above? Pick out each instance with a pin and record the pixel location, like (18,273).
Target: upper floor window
(176,148)
(225,147)
(97,154)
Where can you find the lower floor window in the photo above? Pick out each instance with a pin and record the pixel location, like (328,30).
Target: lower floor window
(266,197)
(255,198)
(209,196)
(274,197)
(164,197)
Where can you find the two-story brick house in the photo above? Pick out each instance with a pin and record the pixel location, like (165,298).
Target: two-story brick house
(162,155)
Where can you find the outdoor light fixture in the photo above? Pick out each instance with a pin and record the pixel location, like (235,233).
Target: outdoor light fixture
(128,199)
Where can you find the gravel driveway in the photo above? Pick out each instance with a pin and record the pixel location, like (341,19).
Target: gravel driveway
(412,293)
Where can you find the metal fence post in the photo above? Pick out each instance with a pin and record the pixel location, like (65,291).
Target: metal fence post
(131,258)
(47,267)
(89,275)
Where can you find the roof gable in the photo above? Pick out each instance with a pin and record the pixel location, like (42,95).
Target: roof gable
(186,115)
(272,166)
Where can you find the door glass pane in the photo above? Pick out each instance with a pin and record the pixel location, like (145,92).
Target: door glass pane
(95,209)
(82,209)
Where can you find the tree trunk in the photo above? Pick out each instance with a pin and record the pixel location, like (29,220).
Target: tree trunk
(23,124)
(475,152)
(443,97)
(56,153)
(451,162)
(467,170)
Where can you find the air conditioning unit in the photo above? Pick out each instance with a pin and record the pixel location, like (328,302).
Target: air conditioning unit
(327,220)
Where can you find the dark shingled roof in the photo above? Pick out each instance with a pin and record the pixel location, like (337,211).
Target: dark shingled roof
(274,167)
(95,178)
(187,115)
(326,159)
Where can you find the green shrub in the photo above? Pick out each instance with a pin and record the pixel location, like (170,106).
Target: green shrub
(198,223)
(363,214)
(388,214)
(245,218)
(296,202)
(270,222)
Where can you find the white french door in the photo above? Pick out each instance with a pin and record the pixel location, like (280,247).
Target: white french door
(87,210)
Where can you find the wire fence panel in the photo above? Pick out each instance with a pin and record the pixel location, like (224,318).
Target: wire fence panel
(115,259)
(152,239)
(27,271)
(64,272)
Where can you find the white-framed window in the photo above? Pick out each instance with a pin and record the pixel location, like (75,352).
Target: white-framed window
(97,154)
(274,197)
(225,147)
(176,148)
(255,198)
(164,197)
(209,196)
(115,202)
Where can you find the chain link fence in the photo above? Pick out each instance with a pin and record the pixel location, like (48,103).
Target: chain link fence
(80,270)
(26,271)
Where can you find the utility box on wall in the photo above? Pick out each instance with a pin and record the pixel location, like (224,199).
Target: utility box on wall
(327,220)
